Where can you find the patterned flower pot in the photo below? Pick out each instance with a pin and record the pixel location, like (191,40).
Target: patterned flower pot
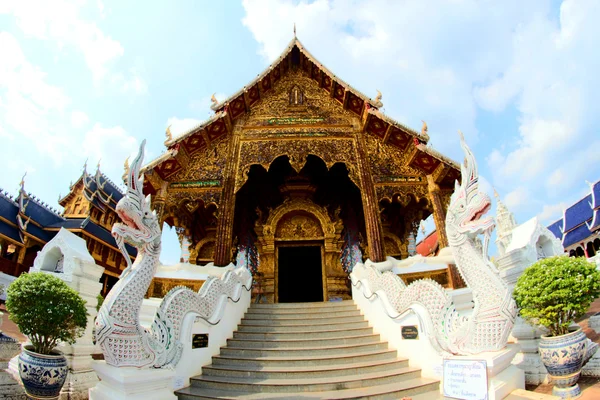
(43,375)
(563,358)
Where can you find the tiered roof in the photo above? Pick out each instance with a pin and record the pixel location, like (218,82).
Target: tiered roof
(26,215)
(581,220)
(243,101)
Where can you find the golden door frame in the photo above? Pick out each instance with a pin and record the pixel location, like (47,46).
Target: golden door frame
(315,227)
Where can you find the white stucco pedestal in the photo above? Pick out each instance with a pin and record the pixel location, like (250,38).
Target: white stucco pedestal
(132,383)
(502,376)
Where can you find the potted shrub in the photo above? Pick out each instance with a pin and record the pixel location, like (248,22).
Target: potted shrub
(552,293)
(47,311)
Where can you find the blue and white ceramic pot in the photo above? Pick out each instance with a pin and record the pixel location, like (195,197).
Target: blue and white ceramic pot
(563,358)
(43,375)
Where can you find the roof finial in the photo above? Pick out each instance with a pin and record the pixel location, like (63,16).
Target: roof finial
(214,101)
(22,184)
(377,103)
(85,165)
(98,165)
(496,195)
(294,30)
(424,129)
(168,134)
(126,165)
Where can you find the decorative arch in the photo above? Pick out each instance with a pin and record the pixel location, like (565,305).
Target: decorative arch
(203,250)
(264,153)
(301,207)
(301,220)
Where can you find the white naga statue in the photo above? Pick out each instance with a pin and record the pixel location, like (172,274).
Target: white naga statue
(494,312)
(124,342)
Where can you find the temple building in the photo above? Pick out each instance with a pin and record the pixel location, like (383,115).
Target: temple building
(27,224)
(579,227)
(299,176)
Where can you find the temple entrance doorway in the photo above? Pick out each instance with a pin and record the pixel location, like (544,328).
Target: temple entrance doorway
(299,273)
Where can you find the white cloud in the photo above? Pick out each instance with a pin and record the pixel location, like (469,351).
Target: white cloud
(179,126)
(109,145)
(552,212)
(61,22)
(133,83)
(552,80)
(426,57)
(79,119)
(517,198)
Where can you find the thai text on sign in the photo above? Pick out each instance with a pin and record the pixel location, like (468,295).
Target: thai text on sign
(465,379)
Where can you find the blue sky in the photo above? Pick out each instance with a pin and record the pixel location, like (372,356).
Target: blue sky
(90,79)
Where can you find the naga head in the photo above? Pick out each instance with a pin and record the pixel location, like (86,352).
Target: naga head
(140,225)
(468,205)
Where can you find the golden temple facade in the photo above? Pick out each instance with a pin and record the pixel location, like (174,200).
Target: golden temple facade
(300,176)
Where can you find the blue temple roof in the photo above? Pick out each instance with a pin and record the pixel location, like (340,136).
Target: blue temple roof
(555,228)
(576,235)
(41,214)
(10,231)
(596,195)
(8,208)
(577,214)
(105,236)
(594,225)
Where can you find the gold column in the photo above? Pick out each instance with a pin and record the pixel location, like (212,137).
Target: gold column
(370,206)
(439,213)
(158,203)
(222,255)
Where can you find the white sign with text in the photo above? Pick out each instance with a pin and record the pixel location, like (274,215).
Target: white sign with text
(465,379)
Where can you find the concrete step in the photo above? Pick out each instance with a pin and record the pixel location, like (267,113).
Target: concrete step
(307,384)
(330,333)
(306,360)
(305,342)
(303,316)
(294,351)
(301,306)
(302,372)
(416,389)
(331,320)
(308,310)
(316,327)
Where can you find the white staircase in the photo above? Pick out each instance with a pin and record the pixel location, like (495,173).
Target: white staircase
(308,350)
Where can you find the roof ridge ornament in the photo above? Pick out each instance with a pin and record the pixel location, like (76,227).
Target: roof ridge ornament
(425,128)
(377,103)
(168,134)
(295,31)
(214,102)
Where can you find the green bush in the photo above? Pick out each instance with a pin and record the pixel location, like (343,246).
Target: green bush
(555,291)
(46,310)
(100,301)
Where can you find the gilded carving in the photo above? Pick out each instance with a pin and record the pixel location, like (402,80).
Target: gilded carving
(299,96)
(206,165)
(210,195)
(264,152)
(388,163)
(405,193)
(298,227)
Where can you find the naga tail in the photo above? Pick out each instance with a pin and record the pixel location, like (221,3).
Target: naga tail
(208,303)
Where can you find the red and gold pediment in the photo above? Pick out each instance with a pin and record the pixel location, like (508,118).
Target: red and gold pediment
(322,103)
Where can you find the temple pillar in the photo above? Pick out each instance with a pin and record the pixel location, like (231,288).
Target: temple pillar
(370,204)
(224,243)
(23,251)
(439,213)
(158,203)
